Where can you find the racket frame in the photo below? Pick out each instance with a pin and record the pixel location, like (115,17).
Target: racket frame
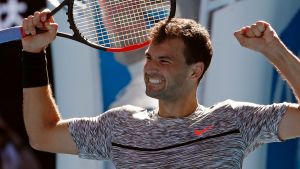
(77,36)
(17,33)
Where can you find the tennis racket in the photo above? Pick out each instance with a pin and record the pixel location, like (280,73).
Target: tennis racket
(109,25)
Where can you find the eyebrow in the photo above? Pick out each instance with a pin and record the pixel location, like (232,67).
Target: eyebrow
(166,57)
(160,57)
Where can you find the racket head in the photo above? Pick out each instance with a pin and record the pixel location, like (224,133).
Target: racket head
(117,26)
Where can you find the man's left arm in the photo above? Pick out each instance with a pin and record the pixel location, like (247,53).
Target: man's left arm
(262,38)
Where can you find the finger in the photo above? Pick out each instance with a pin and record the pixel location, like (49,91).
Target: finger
(52,28)
(241,36)
(31,26)
(37,20)
(51,19)
(248,32)
(261,26)
(25,26)
(270,34)
(255,30)
(44,15)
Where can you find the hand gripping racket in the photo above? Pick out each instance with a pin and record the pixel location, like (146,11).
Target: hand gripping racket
(109,25)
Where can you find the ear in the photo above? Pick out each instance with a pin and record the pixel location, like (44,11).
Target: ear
(197,70)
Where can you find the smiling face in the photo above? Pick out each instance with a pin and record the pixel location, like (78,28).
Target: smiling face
(166,74)
(198,47)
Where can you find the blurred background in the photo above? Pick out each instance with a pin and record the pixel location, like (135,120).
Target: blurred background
(87,82)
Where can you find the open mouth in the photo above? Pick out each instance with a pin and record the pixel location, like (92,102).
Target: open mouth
(155,81)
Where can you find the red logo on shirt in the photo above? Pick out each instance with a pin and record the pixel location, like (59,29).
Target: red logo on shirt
(201,132)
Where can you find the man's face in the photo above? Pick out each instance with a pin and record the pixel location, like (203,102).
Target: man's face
(165,70)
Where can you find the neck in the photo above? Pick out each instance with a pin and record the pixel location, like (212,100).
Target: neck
(177,109)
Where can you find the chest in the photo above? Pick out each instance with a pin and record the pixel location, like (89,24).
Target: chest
(224,150)
(209,142)
(149,133)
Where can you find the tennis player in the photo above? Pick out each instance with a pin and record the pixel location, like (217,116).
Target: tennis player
(181,133)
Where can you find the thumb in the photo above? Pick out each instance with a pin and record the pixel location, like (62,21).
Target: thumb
(52,29)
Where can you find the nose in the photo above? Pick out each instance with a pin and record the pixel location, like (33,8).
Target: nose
(151,66)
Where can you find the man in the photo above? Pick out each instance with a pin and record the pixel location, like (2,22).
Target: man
(181,133)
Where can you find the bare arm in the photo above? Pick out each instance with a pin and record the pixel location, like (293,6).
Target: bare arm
(44,126)
(262,38)
(46,130)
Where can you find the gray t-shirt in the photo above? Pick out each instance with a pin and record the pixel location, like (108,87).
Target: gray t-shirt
(216,137)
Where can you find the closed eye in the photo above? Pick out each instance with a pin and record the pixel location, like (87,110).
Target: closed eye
(165,61)
(148,58)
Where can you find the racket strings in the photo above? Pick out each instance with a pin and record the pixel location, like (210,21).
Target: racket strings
(130,34)
(85,23)
(136,13)
(94,5)
(130,39)
(118,23)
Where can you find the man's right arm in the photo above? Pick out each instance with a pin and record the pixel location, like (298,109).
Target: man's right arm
(46,130)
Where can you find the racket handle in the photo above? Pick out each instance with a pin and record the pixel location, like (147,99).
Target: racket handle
(11,34)
(14,33)
(17,33)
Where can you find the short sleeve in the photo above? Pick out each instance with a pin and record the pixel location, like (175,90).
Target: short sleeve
(93,136)
(259,124)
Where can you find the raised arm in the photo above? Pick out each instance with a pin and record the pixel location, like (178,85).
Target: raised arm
(262,38)
(46,130)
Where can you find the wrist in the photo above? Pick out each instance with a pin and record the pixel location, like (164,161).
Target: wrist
(34,69)
(34,50)
(276,52)
(30,48)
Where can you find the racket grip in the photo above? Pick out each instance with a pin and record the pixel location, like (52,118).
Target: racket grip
(39,31)
(11,34)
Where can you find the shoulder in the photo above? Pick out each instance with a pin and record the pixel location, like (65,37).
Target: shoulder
(226,104)
(125,111)
(227,108)
(130,109)
(235,105)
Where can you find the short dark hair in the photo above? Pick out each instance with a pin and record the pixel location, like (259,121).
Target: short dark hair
(198,47)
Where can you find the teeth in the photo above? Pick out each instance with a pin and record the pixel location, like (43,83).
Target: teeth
(154,81)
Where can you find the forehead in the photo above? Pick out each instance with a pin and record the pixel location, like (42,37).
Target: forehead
(169,47)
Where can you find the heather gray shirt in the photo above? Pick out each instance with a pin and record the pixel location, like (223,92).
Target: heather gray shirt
(216,137)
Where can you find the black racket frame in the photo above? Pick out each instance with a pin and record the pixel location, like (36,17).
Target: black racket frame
(77,36)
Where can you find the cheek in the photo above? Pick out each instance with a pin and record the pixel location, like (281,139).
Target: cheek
(144,68)
(147,68)
(178,77)
(145,65)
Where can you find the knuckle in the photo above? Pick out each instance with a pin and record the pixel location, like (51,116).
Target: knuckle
(261,22)
(45,11)
(36,13)
(25,21)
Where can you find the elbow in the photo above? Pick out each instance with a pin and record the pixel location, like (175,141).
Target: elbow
(38,142)
(35,144)
(39,138)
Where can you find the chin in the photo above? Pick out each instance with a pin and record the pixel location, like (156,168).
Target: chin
(154,95)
